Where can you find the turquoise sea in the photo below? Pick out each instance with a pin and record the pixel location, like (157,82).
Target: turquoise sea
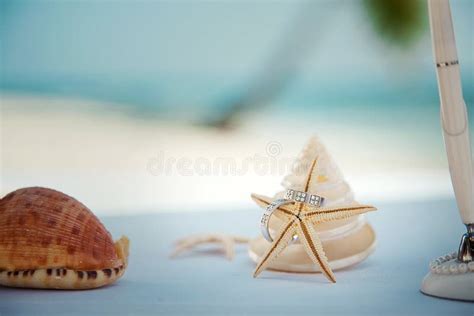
(196,59)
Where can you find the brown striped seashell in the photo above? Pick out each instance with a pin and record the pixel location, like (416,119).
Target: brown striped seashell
(50,240)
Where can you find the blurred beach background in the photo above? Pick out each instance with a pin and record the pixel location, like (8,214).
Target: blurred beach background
(152,106)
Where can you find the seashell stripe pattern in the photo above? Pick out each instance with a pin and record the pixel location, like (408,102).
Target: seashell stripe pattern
(65,279)
(50,240)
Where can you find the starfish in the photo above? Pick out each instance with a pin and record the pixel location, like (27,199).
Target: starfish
(228,242)
(299,219)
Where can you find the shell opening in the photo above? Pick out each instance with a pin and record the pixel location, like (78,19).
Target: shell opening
(121,247)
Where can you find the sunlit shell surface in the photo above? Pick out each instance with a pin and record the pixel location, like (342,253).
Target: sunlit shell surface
(329,183)
(50,240)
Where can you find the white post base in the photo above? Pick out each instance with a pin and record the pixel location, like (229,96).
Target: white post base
(450,279)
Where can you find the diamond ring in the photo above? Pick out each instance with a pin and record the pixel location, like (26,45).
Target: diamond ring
(304,197)
(268,213)
(291,196)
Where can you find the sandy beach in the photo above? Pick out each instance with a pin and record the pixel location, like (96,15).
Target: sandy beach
(118,164)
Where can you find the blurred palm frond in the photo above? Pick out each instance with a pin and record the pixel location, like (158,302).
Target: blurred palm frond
(395,22)
(398,22)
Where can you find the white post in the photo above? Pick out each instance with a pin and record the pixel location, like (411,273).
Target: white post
(452,276)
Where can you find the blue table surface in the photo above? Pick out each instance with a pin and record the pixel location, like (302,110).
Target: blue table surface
(203,282)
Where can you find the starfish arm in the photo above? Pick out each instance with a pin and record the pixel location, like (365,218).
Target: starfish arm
(332,214)
(279,243)
(312,174)
(264,201)
(181,247)
(228,245)
(240,239)
(314,248)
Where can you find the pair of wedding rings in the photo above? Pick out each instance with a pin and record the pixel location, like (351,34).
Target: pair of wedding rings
(291,196)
